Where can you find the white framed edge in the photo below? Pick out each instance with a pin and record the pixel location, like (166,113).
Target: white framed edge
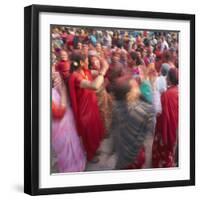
(46,180)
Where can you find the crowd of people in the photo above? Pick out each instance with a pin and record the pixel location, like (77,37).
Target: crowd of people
(114,83)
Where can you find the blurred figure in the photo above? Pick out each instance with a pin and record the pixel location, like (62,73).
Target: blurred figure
(132,122)
(115,71)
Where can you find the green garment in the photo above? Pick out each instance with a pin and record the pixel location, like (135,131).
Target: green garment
(146,91)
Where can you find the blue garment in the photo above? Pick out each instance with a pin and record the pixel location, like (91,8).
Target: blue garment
(93,39)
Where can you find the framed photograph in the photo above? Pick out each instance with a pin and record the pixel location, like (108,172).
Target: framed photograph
(109,99)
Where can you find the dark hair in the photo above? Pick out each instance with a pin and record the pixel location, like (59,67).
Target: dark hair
(164,69)
(146,42)
(115,71)
(121,87)
(135,57)
(119,44)
(76,61)
(172,76)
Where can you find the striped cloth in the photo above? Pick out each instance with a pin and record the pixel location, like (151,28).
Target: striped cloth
(131,123)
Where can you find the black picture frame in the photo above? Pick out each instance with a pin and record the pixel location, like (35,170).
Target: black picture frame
(31,98)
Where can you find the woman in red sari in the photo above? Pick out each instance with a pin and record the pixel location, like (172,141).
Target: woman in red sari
(85,105)
(165,141)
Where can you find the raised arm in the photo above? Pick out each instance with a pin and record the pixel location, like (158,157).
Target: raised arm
(98,81)
(59,109)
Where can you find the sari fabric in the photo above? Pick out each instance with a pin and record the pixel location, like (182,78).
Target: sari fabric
(68,151)
(85,106)
(130,126)
(165,140)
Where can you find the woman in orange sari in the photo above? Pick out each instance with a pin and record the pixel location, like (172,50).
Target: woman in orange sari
(103,97)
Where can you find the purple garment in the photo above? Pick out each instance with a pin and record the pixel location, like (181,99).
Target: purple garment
(69,152)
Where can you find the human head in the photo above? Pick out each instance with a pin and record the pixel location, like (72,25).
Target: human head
(79,61)
(134,46)
(115,71)
(125,88)
(115,57)
(172,76)
(173,52)
(158,46)
(134,58)
(94,60)
(149,50)
(63,55)
(164,69)
(95,63)
(167,56)
(55,30)
(98,46)
(79,45)
(85,48)
(162,38)
(121,87)
(124,55)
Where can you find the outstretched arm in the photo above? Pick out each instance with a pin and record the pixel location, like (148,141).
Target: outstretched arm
(98,81)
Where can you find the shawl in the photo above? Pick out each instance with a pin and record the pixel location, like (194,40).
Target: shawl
(130,125)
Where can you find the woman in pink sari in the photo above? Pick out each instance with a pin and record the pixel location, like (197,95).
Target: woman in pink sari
(66,146)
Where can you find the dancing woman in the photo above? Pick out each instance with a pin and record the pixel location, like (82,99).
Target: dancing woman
(103,97)
(85,105)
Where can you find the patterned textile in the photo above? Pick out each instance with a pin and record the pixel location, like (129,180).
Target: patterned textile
(131,124)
